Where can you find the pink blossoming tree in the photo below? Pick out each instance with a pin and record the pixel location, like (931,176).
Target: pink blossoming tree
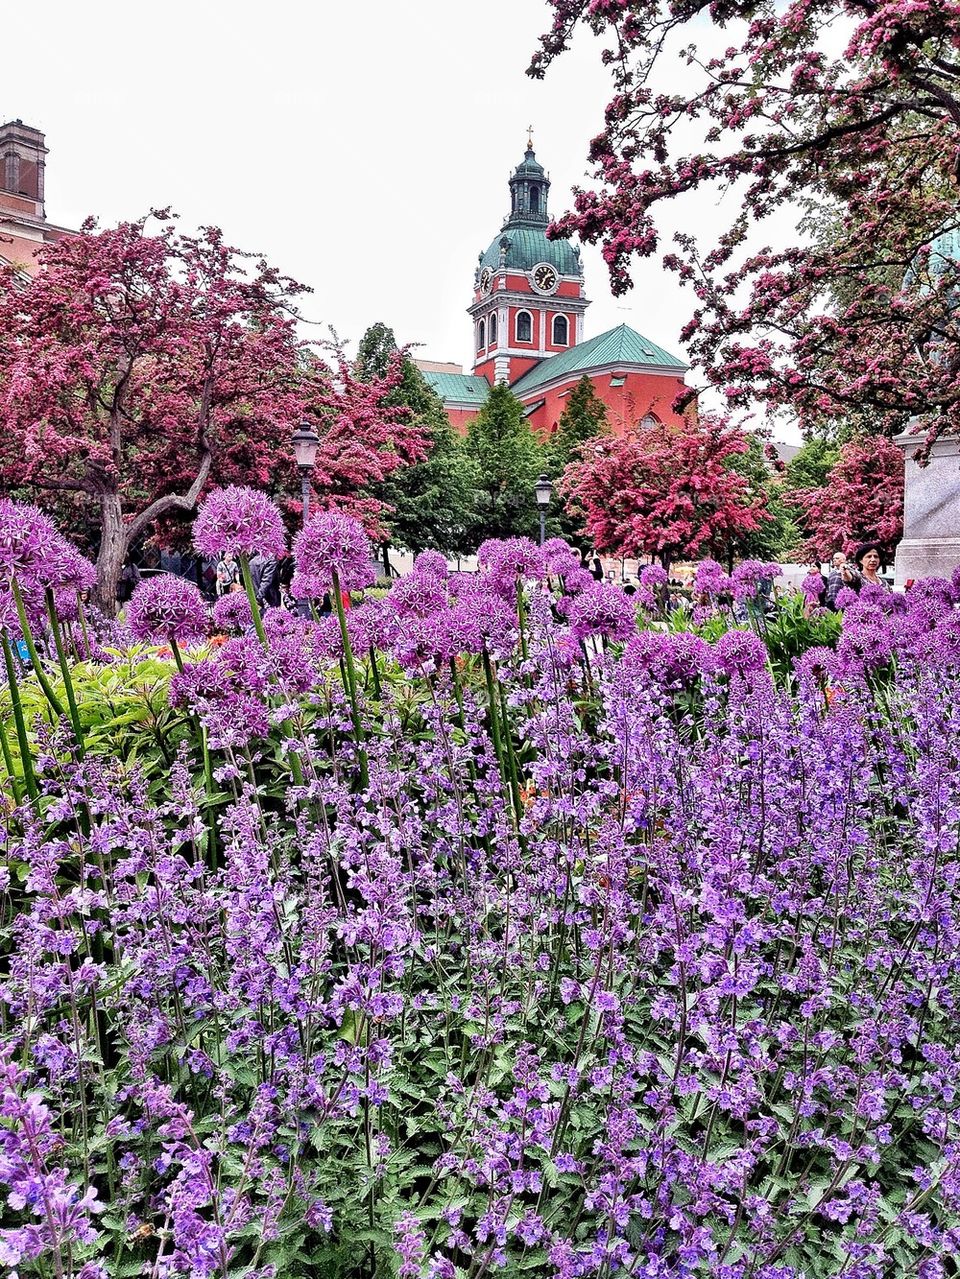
(143,365)
(667,491)
(851,107)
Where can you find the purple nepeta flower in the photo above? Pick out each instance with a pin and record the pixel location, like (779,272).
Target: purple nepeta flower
(232,612)
(240,520)
(411,1244)
(166,607)
(431,562)
(231,715)
(332,542)
(602,610)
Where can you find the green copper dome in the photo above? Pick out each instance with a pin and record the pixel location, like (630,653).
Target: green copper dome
(524,232)
(527,246)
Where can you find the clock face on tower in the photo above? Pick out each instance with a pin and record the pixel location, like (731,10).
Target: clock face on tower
(485,279)
(544,278)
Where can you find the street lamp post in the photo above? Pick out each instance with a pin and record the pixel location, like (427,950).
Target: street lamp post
(305,445)
(544,492)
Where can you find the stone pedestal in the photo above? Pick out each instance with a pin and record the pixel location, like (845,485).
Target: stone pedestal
(931,511)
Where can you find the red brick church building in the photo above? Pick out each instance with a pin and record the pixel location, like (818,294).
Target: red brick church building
(528,318)
(23,219)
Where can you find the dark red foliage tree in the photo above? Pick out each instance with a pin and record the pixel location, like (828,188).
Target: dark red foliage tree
(667,491)
(138,368)
(850,106)
(862,500)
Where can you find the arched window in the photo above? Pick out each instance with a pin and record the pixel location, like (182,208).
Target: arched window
(649,421)
(560,330)
(534,199)
(524,326)
(481,336)
(11,172)
(492,327)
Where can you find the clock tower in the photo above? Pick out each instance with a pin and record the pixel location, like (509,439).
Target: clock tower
(528,300)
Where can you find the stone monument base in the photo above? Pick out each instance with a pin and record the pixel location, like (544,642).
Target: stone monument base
(925,557)
(931,511)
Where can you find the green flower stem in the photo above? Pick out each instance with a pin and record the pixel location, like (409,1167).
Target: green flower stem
(201,735)
(8,763)
(522,618)
(375,674)
(351,678)
(511,758)
(497,736)
(22,740)
(251,596)
(295,766)
(45,684)
(65,671)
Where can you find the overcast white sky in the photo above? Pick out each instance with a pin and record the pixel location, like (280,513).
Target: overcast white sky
(364,148)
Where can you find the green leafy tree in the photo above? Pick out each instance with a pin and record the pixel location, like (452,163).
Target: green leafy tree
(431,503)
(777,536)
(509,458)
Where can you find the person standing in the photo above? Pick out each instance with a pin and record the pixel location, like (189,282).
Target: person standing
(227,574)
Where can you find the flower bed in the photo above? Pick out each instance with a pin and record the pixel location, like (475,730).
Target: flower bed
(477,931)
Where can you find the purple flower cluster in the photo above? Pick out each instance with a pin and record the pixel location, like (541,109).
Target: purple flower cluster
(520,955)
(165,608)
(239,520)
(232,612)
(332,543)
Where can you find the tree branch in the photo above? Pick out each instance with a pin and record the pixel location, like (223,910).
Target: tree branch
(170,501)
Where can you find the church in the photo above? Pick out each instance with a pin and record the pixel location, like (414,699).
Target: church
(528,313)
(23,219)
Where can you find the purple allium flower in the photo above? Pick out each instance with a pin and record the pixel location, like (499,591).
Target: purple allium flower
(670,659)
(845,597)
(167,607)
(417,595)
(332,542)
(740,653)
(813,586)
(604,610)
(750,575)
(214,693)
(507,561)
(239,520)
(232,612)
(654,575)
(710,579)
(559,557)
(432,563)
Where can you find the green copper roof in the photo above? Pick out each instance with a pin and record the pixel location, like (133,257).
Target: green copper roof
(459,388)
(529,245)
(620,346)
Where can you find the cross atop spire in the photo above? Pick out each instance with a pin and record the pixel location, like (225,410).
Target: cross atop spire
(529,137)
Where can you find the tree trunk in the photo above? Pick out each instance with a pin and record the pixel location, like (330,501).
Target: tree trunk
(386,558)
(113,551)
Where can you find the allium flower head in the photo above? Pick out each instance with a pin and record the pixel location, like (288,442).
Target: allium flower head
(239,520)
(506,560)
(812,585)
(431,562)
(748,577)
(740,653)
(166,607)
(418,595)
(604,610)
(332,542)
(845,597)
(710,579)
(559,557)
(654,575)
(232,612)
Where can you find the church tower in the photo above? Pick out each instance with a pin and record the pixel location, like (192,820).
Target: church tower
(23,217)
(528,300)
